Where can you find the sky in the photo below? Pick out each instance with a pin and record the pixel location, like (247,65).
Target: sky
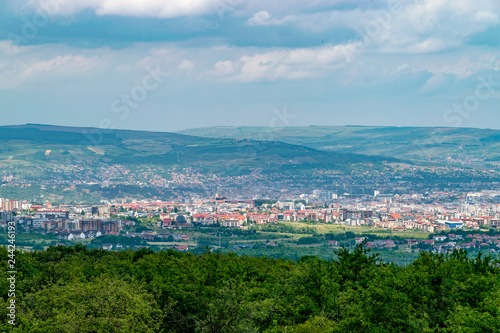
(176,64)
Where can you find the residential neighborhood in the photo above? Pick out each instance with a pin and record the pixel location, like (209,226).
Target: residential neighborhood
(455,225)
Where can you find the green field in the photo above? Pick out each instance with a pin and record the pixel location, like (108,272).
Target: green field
(324,228)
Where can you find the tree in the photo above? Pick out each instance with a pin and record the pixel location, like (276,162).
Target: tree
(101,305)
(354,266)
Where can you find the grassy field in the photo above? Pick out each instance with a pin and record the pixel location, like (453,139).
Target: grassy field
(323,228)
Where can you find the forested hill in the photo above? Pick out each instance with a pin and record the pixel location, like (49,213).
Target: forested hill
(34,145)
(417,143)
(73,289)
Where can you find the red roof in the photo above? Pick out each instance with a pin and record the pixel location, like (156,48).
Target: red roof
(202,216)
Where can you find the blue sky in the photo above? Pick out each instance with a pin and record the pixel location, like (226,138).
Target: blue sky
(170,65)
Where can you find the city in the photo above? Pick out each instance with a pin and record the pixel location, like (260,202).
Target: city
(472,214)
(257,166)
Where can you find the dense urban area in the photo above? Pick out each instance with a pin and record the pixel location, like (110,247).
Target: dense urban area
(312,223)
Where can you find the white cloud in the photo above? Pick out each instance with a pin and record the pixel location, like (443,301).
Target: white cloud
(264,18)
(42,64)
(7,48)
(155,8)
(291,64)
(404,68)
(486,16)
(390,26)
(435,25)
(347,64)
(176,8)
(223,68)
(416,26)
(459,65)
(437,82)
(140,8)
(66,63)
(186,65)
(292,7)
(10,49)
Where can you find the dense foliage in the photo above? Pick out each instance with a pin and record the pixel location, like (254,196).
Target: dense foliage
(75,289)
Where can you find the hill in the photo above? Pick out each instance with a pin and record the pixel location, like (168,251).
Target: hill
(35,145)
(414,143)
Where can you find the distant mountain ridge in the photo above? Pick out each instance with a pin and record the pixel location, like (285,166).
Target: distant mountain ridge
(39,144)
(415,143)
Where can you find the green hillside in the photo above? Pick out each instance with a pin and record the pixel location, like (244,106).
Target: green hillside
(417,143)
(34,145)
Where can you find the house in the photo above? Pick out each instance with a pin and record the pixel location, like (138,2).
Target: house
(412,241)
(107,246)
(204,219)
(231,223)
(259,218)
(166,222)
(455,237)
(396,217)
(390,244)
(91,234)
(333,243)
(76,235)
(439,238)
(380,242)
(128,223)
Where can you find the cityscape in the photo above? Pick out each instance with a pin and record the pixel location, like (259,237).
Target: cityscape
(257,166)
(133,189)
(447,212)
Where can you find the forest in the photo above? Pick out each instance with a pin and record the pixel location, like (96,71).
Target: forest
(76,289)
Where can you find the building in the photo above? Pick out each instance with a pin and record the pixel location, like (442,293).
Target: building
(104,226)
(6,217)
(454,225)
(231,223)
(52,214)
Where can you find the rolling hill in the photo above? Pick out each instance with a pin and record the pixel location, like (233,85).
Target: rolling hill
(414,143)
(34,145)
